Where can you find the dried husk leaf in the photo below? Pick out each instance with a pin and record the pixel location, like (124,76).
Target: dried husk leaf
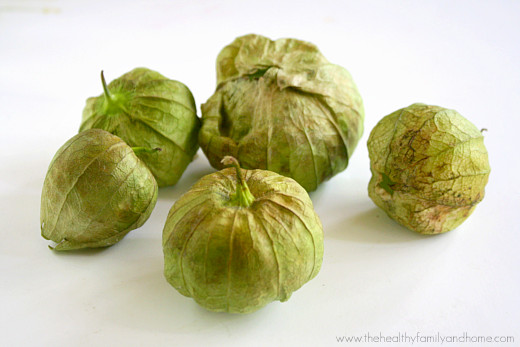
(153,111)
(95,192)
(238,259)
(281,106)
(429,167)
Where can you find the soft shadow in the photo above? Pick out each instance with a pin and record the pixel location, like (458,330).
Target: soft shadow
(318,194)
(149,303)
(372,226)
(84,252)
(188,179)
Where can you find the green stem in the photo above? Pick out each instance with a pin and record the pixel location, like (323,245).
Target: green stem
(105,88)
(139,150)
(242,196)
(114,102)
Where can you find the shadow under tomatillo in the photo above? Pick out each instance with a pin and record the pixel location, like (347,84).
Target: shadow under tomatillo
(372,226)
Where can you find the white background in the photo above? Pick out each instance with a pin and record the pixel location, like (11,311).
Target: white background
(377,277)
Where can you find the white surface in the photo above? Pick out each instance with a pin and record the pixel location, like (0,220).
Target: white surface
(376,276)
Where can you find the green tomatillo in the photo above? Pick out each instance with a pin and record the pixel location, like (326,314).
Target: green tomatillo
(429,167)
(95,192)
(240,239)
(144,108)
(281,106)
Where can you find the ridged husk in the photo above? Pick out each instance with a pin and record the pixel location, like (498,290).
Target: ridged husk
(95,192)
(429,167)
(150,111)
(281,106)
(238,259)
